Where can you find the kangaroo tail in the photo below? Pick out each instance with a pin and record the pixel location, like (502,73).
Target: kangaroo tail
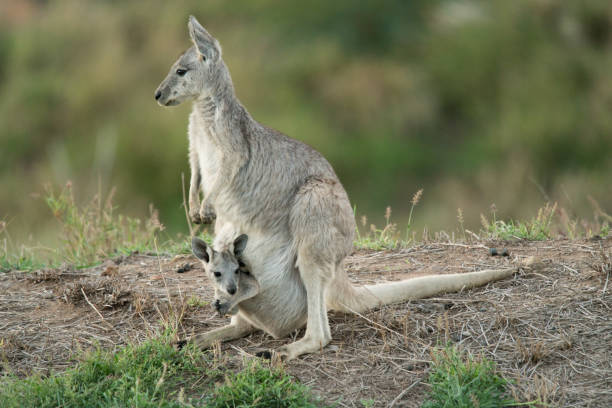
(348,298)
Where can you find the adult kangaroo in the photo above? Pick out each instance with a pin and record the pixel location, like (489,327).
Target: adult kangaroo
(289,201)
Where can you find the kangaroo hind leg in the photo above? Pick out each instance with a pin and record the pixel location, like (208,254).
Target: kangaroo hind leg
(316,280)
(322,225)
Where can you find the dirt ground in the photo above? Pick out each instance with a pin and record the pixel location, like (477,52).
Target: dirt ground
(548,330)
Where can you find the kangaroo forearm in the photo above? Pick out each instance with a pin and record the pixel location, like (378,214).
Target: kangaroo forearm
(195,180)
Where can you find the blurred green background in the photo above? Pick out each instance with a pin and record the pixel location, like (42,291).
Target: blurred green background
(476,102)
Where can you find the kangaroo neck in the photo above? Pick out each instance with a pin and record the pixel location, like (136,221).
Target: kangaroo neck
(224,119)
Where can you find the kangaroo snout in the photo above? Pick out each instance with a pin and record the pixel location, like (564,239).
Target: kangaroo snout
(231,290)
(163,96)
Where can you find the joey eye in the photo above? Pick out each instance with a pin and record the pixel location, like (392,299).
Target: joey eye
(237,271)
(217,274)
(181,72)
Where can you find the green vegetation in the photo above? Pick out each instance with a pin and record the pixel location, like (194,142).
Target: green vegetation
(538,229)
(12,258)
(196,302)
(261,387)
(90,233)
(95,231)
(154,374)
(459,381)
(151,374)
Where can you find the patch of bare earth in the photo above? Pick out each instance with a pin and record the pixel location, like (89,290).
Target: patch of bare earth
(548,330)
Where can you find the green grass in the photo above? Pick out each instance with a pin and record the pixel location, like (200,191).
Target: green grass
(95,231)
(258,386)
(15,259)
(90,233)
(151,374)
(387,237)
(154,374)
(538,229)
(196,302)
(459,381)
(19,263)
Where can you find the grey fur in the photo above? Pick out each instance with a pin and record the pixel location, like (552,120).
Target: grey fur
(280,192)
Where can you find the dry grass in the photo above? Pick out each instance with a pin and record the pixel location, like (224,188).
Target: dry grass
(548,331)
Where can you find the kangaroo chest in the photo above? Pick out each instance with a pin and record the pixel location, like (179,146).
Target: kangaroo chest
(209,156)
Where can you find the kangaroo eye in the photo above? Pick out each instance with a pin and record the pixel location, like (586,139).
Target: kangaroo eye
(237,271)
(217,274)
(181,72)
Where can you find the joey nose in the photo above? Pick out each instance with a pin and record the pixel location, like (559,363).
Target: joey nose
(157,95)
(231,290)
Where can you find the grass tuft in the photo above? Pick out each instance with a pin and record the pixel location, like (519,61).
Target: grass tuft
(95,231)
(258,386)
(387,237)
(459,381)
(90,233)
(538,229)
(12,258)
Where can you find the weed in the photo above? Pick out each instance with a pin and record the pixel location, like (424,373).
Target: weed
(95,231)
(12,258)
(90,233)
(258,386)
(10,262)
(379,239)
(461,221)
(538,229)
(196,302)
(459,381)
(367,403)
(415,200)
(387,237)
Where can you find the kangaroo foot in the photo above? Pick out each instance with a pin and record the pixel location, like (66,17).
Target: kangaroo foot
(302,346)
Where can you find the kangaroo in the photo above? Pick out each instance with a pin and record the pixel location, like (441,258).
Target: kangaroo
(231,278)
(289,201)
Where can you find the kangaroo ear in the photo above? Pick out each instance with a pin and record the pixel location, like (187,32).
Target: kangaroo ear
(208,47)
(200,249)
(240,245)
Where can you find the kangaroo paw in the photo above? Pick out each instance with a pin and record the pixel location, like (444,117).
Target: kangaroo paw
(207,214)
(194,215)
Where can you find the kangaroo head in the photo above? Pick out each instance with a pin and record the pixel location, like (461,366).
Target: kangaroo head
(223,267)
(197,72)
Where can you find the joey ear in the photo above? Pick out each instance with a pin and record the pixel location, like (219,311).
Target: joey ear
(206,44)
(240,244)
(200,249)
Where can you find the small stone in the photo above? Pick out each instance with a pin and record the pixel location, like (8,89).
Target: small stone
(266,354)
(493,251)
